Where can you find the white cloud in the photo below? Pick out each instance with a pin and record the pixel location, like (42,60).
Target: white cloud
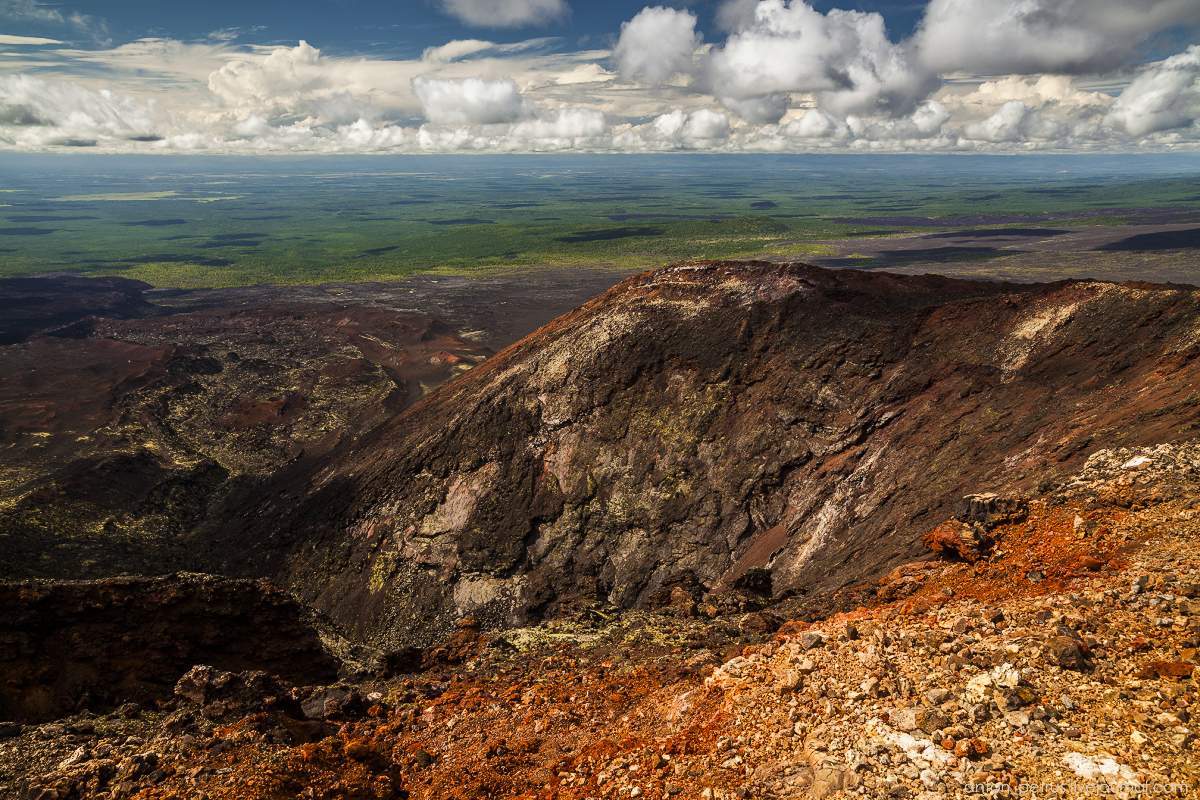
(930,118)
(698,129)
(561,129)
(764,108)
(456,49)
(1030,36)
(657,44)
(469,101)
(155,63)
(1041,91)
(816,124)
(844,57)
(684,129)
(583,73)
(460,49)
(928,121)
(31,41)
(1015,123)
(1006,125)
(281,79)
(506,13)
(232,34)
(1163,97)
(288,84)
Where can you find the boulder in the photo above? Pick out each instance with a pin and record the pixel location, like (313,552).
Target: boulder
(957,540)
(332,702)
(222,694)
(810,640)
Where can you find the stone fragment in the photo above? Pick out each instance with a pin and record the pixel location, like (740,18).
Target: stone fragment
(331,702)
(810,640)
(790,681)
(972,749)
(1177,670)
(1016,719)
(1066,652)
(682,602)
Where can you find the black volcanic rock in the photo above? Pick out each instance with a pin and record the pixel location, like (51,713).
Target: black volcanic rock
(98,644)
(32,305)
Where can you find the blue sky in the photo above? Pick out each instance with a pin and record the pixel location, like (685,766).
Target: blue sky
(399,27)
(480,76)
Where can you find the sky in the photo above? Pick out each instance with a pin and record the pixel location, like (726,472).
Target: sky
(412,76)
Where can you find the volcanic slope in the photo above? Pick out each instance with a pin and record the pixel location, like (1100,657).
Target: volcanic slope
(705,425)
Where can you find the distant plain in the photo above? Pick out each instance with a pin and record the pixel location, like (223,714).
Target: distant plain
(211,221)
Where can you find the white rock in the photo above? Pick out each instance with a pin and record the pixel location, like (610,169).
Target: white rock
(1017,719)
(979,688)
(1099,766)
(77,757)
(1006,676)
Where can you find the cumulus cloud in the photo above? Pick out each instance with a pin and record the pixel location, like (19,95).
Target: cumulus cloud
(1036,92)
(468,101)
(656,44)
(284,78)
(506,13)
(287,84)
(561,129)
(1006,125)
(1163,97)
(816,124)
(697,129)
(760,109)
(691,129)
(1017,123)
(1029,36)
(844,57)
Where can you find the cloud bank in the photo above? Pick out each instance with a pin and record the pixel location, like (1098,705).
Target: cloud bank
(1030,36)
(976,76)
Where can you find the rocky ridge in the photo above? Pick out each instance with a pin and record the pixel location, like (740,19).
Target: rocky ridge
(704,423)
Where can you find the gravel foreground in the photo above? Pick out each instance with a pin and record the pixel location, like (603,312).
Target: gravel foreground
(1050,650)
